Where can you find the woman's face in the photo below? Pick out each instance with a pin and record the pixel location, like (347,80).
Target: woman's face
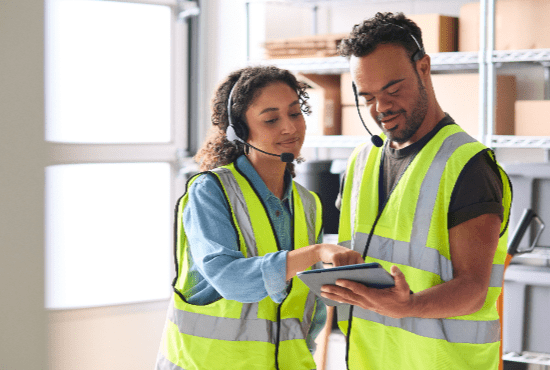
(275,122)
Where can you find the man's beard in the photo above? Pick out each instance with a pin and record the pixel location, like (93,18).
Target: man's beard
(412,121)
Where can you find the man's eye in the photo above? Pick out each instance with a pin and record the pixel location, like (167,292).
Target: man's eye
(394,92)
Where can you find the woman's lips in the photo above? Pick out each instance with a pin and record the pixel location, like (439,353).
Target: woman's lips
(289,142)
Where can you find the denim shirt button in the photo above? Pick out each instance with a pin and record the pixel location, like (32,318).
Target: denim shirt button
(277,213)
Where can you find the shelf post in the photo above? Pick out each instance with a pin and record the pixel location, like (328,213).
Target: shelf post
(491,73)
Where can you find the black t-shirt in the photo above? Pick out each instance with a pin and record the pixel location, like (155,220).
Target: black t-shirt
(478,190)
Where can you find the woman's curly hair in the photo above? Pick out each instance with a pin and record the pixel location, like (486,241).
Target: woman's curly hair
(246,84)
(383,28)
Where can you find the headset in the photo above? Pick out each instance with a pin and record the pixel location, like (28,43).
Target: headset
(418,54)
(238,132)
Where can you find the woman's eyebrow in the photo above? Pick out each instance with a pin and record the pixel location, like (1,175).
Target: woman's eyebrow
(273,109)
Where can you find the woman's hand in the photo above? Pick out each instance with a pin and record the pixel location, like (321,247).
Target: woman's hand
(338,255)
(302,258)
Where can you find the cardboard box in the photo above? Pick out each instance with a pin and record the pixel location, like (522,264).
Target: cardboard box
(519,24)
(439,32)
(324,99)
(532,118)
(458,95)
(351,124)
(315,46)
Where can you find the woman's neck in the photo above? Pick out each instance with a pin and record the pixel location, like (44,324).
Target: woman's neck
(272,172)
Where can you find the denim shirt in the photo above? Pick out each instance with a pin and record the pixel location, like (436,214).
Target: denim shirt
(217,266)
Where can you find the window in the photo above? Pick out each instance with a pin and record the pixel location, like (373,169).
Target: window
(115,122)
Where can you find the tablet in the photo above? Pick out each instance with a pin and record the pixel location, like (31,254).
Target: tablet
(370,274)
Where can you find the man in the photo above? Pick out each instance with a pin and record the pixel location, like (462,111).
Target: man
(431,205)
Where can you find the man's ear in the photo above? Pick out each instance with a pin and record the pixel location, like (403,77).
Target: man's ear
(424,66)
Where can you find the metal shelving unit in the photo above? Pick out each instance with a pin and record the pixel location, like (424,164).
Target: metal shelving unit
(440,62)
(485,61)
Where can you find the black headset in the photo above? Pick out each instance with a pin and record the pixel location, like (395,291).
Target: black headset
(236,131)
(418,54)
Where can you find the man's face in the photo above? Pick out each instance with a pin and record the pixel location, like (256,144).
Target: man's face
(392,90)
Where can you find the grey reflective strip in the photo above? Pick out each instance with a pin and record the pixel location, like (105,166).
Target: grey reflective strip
(249,311)
(164,364)
(430,186)
(358,169)
(229,329)
(306,319)
(422,258)
(310,210)
(238,204)
(454,331)
(403,253)
(497,276)
(342,313)
(346,243)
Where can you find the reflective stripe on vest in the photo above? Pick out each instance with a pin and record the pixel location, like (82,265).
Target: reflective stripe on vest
(227,325)
(223,328)
(450,330)
(416,255)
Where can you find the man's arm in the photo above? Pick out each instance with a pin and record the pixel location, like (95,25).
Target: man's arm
(473,244)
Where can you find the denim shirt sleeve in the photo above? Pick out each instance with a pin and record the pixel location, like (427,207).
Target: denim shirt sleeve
(215,251)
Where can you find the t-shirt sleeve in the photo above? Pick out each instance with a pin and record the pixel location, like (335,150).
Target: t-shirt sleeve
(478,191)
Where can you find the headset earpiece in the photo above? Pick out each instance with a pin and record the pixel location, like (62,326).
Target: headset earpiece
(231,134)
(236,131)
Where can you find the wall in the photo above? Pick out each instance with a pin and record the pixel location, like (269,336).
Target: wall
(22,317)
(115,337)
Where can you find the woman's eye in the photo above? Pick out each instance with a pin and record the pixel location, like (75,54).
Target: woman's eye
(271,121)
(296,114)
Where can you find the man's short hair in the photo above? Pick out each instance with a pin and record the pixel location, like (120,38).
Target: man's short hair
(383,28)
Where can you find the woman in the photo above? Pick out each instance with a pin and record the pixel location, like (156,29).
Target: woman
(244,229)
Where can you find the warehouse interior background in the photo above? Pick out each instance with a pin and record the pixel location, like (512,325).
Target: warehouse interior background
(102,103)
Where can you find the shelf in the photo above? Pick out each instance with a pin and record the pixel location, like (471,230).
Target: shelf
(511,141)
(457,60)
(528,358)
(497,141)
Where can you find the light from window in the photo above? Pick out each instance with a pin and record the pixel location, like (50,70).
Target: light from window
(108,234)
(107,72)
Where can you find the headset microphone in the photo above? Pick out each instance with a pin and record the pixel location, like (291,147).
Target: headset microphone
(232,136)
(240,134)
(376,140)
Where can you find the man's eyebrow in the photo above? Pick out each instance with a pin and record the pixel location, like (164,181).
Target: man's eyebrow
(391,83)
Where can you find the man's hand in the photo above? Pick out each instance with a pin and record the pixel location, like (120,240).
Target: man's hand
(394,302)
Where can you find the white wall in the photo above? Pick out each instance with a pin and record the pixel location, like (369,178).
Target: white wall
(22,317)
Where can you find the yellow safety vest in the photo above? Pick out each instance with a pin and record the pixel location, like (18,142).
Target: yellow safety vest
(227,334)
(412,233)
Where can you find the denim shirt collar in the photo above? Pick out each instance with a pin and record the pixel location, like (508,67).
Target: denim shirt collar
(244,165)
